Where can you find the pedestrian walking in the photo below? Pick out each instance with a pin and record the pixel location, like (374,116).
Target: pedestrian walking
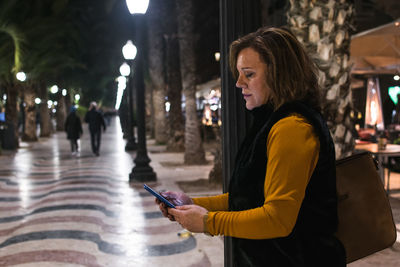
(73,127)
(281,206)
(95,120)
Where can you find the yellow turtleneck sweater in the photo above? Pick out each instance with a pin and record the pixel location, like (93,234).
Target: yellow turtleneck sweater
(292,151)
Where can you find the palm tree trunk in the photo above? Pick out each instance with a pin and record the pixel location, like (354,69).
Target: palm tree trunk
(157,15)
(194,151)
(29,133)
(160,117)
(61,112)
(324,28)
(12,110)
(215,175)
(45,129)
(149,112)
(174,84)
(67,101)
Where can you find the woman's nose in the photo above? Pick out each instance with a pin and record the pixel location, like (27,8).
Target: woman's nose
(239,83)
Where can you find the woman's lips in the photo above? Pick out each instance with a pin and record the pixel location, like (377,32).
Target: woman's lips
(246,95)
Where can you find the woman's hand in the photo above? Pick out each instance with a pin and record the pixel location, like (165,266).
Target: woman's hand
(189,217)
(176,198)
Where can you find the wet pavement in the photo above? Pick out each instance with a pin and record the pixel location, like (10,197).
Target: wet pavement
(59,209)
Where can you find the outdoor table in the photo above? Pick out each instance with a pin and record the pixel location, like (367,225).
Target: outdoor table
(382,155)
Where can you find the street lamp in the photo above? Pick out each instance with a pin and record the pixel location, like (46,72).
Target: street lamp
(125,70)
(129,50)
(54,89)
(142,170)
(137,7)
(21,76)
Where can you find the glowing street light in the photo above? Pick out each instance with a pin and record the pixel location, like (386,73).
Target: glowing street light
(125,70)
(54,89)
(121,87)
(137,7)
(21,76)
(217,56)
(129,50)
(122,82)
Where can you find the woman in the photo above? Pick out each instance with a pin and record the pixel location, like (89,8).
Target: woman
(281,207)
(73,127)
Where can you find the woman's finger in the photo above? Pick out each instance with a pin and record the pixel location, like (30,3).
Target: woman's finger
(163,209)
(171,218)
(174,212)
(184,207)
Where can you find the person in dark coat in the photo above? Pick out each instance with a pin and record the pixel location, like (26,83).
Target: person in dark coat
(95,120)
(281,204)
(73,127)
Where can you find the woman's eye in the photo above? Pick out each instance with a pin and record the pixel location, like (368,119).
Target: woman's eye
(249,75)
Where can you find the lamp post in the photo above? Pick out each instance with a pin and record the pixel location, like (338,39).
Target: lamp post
(21,76)
(129,54)
(141,171)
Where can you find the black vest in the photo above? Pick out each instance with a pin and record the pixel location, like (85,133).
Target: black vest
(312,241)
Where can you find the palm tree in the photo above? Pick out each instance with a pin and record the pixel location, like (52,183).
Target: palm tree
(174,82)
(11,41)
(65,41)
(156,16)
(45,123)
(29,91)
(47,39)
(50,54)
(194,151)
(324,28)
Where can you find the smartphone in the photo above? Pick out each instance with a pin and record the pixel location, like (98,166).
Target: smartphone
(157,195)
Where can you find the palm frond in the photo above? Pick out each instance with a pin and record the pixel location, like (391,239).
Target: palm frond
(18,40)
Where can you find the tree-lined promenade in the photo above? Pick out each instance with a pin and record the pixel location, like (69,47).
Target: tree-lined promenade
(76,45)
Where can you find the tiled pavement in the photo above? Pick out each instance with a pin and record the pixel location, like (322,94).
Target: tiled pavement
(58,209)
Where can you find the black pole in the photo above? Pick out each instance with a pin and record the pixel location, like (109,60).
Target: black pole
(237,17)
(142,171)
(131,144)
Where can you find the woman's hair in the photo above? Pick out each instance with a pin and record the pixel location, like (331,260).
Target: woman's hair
(291,74)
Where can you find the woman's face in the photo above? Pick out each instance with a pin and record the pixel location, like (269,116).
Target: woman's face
(252,78)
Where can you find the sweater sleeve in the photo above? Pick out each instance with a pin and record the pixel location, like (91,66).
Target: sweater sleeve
(214,203)
(292,151)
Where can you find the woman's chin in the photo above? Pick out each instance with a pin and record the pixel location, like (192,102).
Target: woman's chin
(249,107)
(250,104)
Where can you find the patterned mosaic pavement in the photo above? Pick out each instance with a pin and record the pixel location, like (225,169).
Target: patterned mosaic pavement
(59,209)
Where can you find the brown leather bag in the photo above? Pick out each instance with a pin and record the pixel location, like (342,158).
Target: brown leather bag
(365,216)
